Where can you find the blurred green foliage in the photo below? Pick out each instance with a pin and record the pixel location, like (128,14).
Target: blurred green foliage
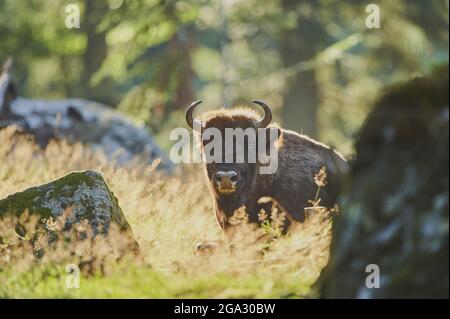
(315,62)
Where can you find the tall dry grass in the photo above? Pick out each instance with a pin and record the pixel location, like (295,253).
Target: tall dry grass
(169,216)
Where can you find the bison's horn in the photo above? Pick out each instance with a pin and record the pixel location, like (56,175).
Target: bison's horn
(267,115)
(190,115)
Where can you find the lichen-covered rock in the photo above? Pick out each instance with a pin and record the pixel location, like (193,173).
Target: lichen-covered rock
(85,194)
(396,213)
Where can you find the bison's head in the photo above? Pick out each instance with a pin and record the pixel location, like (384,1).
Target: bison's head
(231,144)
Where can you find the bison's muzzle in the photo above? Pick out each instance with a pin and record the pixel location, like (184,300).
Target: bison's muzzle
(226,181)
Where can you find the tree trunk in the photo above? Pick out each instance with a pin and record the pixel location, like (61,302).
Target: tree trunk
(96,51)
(299,44)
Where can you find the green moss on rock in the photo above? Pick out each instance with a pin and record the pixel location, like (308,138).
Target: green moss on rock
(85,193)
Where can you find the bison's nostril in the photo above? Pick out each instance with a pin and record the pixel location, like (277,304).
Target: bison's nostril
(221,176)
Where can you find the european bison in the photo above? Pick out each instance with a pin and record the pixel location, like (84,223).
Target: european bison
(292,185)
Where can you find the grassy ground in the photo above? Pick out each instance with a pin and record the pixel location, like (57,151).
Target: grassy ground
(169,216)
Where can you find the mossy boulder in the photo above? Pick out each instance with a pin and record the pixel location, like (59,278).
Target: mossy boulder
(395,213)
(85,194)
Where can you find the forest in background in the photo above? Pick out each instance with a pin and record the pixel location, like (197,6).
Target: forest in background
(379,95)
(315,62)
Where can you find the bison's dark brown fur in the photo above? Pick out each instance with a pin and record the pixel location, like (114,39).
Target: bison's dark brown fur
(300,157)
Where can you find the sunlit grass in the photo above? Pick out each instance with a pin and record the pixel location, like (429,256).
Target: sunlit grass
(169,215)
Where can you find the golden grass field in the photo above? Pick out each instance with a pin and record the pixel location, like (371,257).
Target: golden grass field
(169,215)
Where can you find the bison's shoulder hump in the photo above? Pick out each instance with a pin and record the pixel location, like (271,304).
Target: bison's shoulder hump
(300,146)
